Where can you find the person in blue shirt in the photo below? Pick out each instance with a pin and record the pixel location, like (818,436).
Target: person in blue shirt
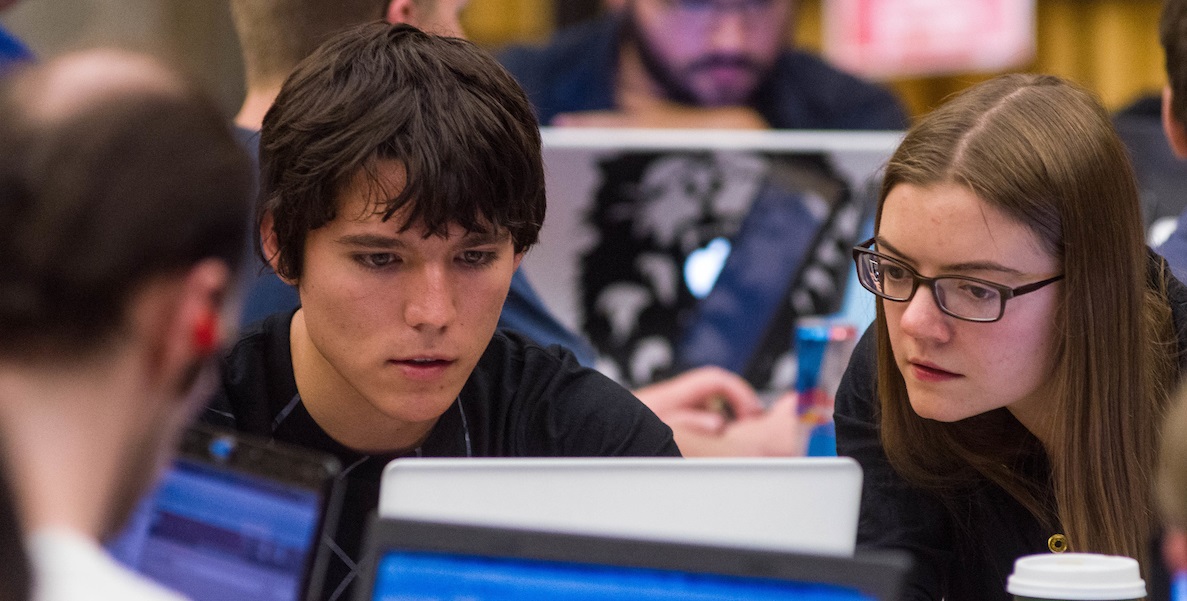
(1173,541)
(695,63)
(1173,34)
(12,50)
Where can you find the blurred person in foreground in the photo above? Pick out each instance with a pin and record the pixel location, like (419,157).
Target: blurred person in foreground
(1172,498)
(15,573)
(122,207)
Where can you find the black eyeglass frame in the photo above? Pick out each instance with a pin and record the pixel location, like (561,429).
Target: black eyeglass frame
(1005,293)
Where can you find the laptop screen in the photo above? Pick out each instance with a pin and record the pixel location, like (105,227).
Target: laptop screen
(219,532)
(406,575)
(429,561)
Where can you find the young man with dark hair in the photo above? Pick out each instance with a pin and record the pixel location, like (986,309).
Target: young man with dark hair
(277,34)
(401,185)
(122,209)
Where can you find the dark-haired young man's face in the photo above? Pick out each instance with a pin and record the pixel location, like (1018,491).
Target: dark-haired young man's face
(394,322)
(708,52)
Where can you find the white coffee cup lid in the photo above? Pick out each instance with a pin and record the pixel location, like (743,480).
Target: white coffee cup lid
(1076,577)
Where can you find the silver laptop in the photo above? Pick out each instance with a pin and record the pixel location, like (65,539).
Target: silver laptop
(789,504)
(670,249)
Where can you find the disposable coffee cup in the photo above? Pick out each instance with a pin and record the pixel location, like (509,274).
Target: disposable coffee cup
(1076,577)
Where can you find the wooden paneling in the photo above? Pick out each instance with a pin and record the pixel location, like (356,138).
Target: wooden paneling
(494,23)
(1110,46)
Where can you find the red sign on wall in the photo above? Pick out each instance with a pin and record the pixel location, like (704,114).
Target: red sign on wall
(895,38)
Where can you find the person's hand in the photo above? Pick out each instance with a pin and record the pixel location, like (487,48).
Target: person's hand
(666,115)
(779,432)
(694,399)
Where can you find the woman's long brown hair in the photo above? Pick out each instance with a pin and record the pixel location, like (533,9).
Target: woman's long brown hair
(1044,152)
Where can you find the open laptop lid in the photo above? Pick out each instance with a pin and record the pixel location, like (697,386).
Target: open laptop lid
(788,504)
(418,560)
(669,249)
(235,517)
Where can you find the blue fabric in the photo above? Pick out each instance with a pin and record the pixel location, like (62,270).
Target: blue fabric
(576,72)
(12,50)
(1160,174)
(525,313)
(265,292)
(1174,249)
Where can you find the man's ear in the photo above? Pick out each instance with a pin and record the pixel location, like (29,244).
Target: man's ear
(1176,133)
(180,320)
(400,11)
(271,246)
(519,257)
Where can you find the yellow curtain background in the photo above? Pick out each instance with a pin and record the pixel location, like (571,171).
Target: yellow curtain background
(1110,46)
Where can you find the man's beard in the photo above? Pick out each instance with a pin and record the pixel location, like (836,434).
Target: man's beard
(673,86)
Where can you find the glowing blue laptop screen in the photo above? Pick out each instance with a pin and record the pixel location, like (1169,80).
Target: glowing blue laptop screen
(423,576)
(216,535)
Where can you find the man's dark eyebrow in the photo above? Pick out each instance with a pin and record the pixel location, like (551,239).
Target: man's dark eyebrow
(480,238)
(391,242)
(371,241)
(953,267)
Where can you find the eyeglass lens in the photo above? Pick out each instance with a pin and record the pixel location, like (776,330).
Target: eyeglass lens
(957,296)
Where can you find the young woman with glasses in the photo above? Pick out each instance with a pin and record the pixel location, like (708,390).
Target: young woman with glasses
(1008,397)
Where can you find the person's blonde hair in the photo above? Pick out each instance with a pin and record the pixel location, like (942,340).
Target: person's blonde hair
(1043,151)
(275,35)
